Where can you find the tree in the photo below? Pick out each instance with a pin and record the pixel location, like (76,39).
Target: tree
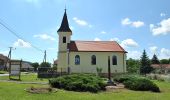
(35,65)
(155,60)
(132,65)
(145,64)
(45,64)
(164,61)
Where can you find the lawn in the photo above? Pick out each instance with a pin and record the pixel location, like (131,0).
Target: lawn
(15,91)
(26,77)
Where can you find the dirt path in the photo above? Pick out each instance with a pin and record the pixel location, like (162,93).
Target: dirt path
(20,82)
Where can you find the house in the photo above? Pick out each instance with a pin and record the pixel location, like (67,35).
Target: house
(86,56)
(25,65)
(3,61)
(163,68)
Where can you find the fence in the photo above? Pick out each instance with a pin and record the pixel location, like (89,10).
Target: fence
(50,73)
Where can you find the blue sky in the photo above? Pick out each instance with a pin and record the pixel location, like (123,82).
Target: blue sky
(134,24)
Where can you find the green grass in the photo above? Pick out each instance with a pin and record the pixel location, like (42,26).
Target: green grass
(3,72)
(15,91)
(30,77)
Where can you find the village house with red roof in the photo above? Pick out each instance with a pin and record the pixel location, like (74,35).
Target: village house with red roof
(86,56)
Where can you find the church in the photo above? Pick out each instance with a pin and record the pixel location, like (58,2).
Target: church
(86,56)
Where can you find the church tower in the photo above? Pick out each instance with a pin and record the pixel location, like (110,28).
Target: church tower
(64,33)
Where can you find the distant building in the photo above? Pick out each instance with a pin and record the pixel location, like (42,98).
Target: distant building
(3,61)
(86,56)
(26,66)
(164,68)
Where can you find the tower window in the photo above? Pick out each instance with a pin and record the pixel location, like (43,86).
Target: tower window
(93,60)
(77,60)
(64,39)
(114,60)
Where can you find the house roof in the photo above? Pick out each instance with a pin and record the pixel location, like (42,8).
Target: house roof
(95,46)
(161,66)
(64,24)
(4,58)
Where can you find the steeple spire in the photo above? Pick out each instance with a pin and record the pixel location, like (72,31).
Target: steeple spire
(64,24)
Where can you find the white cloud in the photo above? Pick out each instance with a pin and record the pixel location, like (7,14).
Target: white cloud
(82,22)
(153,49)
(21,43)
(165,53)
(115,39)
(129,43)
(44,37)
(4,52)
(135,24)
(162,14)
(162,28)
(126,21)
(134,54)
(97,39)
(103,32)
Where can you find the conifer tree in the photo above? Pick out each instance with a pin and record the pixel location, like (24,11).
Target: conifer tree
(145,64)
(155,60)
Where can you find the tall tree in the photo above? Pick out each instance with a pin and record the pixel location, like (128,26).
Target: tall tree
(45,64)
(155,60)
(35,65)
(132,65)
(145,64)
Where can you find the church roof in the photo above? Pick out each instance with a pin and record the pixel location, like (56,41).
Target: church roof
(95,46)
(64,24)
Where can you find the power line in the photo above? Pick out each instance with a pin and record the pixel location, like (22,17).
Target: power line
(14,33)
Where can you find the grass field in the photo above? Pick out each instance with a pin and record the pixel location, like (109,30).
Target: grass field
(15,91)
(29,77)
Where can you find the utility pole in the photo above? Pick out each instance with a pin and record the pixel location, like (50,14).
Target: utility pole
(9,56)
(45,56)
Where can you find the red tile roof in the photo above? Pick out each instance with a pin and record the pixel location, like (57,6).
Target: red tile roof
(95,46)
(160,66)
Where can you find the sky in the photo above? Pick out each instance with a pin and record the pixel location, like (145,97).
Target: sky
(135,24)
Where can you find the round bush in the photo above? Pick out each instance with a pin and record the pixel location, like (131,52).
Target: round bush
(79,82)
(141,84)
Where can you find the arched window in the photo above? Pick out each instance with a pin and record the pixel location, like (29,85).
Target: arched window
(77,60)
(93,60)
(114,60)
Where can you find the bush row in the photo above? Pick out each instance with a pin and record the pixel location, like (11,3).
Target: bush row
(138,83)
(79,82)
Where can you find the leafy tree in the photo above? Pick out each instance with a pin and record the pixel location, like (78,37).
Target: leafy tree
(145,64)
(35,65)
(164,61)
(132,65)
(155,60)
(45,64)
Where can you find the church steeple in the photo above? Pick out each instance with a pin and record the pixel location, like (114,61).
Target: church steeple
(64,25)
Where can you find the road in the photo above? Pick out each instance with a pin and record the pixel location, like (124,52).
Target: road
(4,74)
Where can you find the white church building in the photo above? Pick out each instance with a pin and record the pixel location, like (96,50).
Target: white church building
(85,56)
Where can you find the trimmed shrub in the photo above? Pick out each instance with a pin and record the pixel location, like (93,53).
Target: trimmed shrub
(78,82)
(138,83)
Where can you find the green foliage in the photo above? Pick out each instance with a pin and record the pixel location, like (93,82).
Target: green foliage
(138,83)
(145,64)
(35,65)
(165,61)
(78,82)
(54,67)
(99,70)
(132,65)
(155,60)
(45,64)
